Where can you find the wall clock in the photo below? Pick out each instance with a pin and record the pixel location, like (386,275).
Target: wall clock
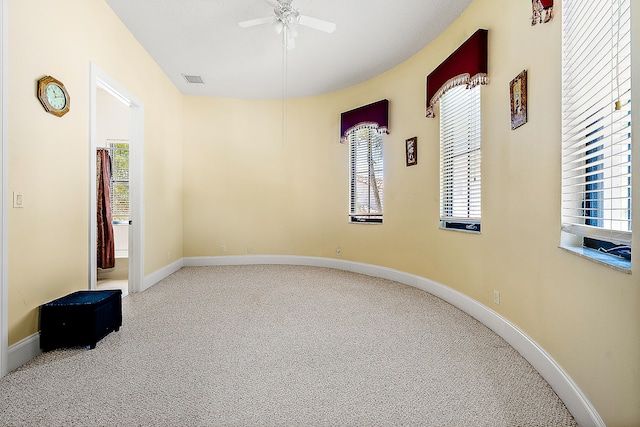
(53,96)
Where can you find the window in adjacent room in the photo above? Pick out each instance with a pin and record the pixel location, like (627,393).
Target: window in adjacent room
(366,174)
(460,137)
(119,188)
(596,130)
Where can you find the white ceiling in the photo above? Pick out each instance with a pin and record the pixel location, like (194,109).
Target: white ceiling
(202,37)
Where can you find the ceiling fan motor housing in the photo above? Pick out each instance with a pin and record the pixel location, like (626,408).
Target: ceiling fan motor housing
(287,14)
(287,19)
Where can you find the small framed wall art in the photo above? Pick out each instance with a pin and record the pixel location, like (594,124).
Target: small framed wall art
(518,91)
(542,11)
(412,151)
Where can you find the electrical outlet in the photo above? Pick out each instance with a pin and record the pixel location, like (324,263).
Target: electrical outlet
(223,249)
(496,297)
(249,250)
(338,251)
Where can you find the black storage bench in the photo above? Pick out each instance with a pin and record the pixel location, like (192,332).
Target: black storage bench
(80,319)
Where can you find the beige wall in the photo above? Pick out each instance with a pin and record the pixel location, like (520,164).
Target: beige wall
(49,156)
(246,187)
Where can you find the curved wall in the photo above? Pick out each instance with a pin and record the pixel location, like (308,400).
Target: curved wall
(218,172)
(250,188)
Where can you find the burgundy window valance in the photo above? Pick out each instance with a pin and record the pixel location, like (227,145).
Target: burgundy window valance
(466,66)
(376,113)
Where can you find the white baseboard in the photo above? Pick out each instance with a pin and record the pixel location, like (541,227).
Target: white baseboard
(21,352)
(572,396)
(574,399)
(158,275)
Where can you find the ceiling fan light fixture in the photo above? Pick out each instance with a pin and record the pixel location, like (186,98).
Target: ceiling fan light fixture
(286,18)
(291,43)
(277,26)
(292,31)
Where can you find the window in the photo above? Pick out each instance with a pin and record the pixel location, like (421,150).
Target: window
(366,174)
(596,130)
(460,136)
(119,188)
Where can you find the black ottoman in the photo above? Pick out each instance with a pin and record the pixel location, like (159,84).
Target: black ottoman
(80,319)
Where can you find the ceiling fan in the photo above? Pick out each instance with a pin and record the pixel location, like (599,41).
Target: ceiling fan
(286,19)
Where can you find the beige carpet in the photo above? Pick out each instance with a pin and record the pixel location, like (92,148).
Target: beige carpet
(284,346)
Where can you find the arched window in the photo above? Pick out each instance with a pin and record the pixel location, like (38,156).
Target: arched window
(455,86)
(366,174)
(460,159)
(362,128)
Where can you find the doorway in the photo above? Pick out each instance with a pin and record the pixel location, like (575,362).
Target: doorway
(117,120)
(113,133)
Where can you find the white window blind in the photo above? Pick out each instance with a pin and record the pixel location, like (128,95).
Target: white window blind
(366,174)
(596,122)
(460,138)
(119,188)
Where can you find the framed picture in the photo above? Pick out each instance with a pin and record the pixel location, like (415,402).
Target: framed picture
(542,11)
(518,90)
(412,151)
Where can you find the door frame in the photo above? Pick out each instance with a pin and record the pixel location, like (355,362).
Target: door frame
(100,79)
(4,189)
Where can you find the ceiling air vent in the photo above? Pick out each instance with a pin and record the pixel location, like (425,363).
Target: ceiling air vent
(193,79)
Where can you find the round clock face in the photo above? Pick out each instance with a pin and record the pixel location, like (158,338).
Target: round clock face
(53,96)
(56,96)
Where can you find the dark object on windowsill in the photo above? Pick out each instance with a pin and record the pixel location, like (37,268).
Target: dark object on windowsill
(462,226)
(619,251)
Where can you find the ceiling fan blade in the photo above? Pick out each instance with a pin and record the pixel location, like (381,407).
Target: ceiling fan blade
(317,24)
(257,21)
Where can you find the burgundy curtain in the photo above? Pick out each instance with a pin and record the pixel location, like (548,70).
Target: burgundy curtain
(376,113)
(106,246)
(466,66)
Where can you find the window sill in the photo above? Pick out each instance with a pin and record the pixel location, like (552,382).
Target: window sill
(614,262)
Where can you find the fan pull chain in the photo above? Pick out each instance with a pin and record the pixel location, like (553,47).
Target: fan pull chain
(284,85)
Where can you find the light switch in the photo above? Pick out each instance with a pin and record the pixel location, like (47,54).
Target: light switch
(17,199)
